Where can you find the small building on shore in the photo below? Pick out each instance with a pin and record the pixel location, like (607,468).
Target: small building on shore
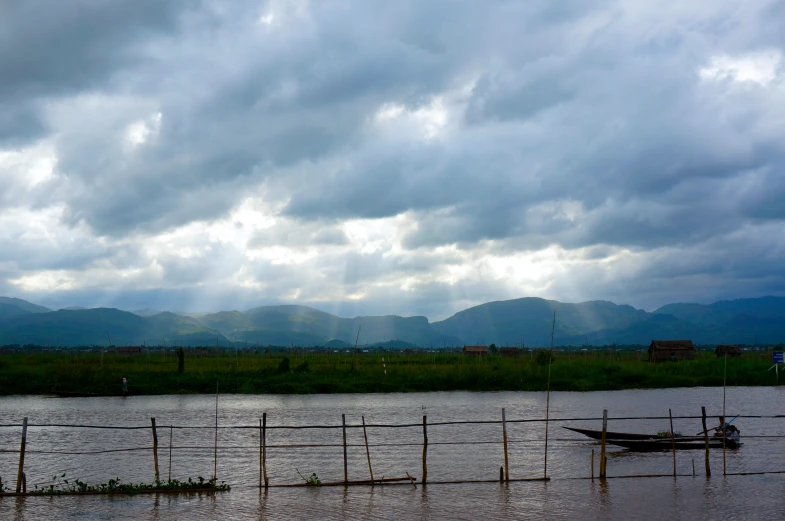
(731,351)
(475,350)
(671,350)
(509,351)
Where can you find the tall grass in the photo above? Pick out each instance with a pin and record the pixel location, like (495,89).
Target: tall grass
(344,373)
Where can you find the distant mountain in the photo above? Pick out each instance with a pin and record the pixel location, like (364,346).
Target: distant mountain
(269,322)
(526,321)
(99,326)
(23,304)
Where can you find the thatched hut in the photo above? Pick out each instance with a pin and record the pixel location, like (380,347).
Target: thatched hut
(732,351)
(475,350)
(509,351)
(671,350)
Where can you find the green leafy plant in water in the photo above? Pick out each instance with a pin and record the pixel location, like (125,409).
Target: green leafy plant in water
(312,480)
(60,485)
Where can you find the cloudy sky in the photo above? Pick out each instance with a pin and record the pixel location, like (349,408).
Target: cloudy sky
(407,157)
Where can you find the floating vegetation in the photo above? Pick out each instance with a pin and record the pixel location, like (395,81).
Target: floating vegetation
(60,485)
(312,480)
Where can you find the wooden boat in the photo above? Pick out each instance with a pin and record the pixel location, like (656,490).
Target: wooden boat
(681,443)
(597,435)
(652,442)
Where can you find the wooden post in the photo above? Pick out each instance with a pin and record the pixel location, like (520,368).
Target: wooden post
(264,450)
(706,441)
(367,451)
(215,452)
(21,474)
(501,474)
(345,455)
(592,464)
(170,453)
(673,443)
(693,466)
(602,447)
(424,449)
(504,436)
(155,449)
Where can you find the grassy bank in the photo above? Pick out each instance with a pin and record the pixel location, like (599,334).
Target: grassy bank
(343,373)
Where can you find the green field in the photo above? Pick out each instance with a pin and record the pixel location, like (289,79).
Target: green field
(265,373)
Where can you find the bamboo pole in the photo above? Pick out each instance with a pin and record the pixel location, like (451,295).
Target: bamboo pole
(20,476)
(155,449)
(504,436)
(548,398)
(215,451)
(367,450)
(602,447)
(170,453)
(673,443)
(693,466)
(345,454)
(424,449)
(706,440)
(592,464)
(724,380)
(261,455)
(264,450)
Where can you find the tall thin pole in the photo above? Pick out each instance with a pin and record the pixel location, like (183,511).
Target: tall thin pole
(215,453)
(424,449)
(504,438)
(367,450)
(170,453)
(548,397)
(706,440)
(724,381)
(20,477)
(264,449)
(673,443)
(345,455)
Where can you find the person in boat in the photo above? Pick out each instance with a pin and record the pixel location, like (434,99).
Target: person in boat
(734,434)
(722,428)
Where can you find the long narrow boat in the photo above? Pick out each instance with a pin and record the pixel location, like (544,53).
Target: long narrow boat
(683,443)
(652,442)
(597,435)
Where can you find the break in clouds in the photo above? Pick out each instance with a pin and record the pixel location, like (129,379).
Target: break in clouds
(399,157)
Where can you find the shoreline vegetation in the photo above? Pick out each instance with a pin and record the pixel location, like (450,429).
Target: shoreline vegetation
(90,374)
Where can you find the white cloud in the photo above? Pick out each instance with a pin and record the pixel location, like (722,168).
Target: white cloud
(760,67)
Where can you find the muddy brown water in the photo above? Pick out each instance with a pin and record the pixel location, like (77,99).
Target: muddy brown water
(394,452)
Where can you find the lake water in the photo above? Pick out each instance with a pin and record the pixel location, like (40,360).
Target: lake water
(394,452)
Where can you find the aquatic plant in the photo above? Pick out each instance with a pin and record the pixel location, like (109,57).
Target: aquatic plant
(61,485)
(313,479)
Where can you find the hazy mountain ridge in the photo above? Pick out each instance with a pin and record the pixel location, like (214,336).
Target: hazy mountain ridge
(524,321)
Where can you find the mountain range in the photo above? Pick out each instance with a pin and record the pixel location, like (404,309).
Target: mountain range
(524,321)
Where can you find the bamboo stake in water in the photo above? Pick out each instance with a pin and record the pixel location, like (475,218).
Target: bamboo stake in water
(264,450)
(170,453)
(424,449)
(673,443)
(706,440)
(592,464)
(155,449)
(548,397)
(345,455)
(504,437)
(367,450)
(602,447)
(724,379)
(21,474)
(215,452)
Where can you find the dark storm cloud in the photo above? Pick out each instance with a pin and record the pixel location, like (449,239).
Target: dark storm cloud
(619,132)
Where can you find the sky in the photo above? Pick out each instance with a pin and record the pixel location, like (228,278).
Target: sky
(372,157)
